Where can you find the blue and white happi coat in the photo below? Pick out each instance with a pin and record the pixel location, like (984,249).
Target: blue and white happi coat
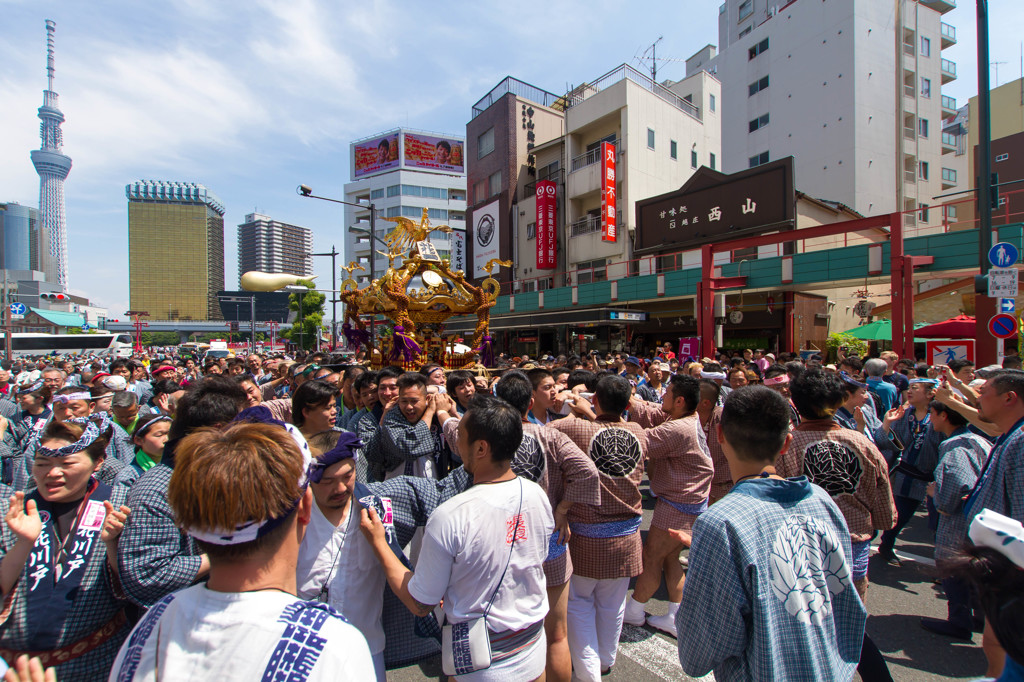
(962,457)
(769,592)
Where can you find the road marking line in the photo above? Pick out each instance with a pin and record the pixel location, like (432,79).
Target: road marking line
(654,653)
(906,556)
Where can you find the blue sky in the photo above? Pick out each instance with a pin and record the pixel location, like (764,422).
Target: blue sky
(253,98)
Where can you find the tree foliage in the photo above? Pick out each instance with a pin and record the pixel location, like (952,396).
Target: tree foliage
(309,319)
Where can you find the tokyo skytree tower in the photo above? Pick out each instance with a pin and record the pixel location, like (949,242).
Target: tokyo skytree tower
(53,167)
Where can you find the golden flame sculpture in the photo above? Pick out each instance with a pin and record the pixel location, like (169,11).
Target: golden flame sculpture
(419,296)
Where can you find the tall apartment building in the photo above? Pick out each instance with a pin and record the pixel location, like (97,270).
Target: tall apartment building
(269,245)
(176,236)
(850,88)
(402,172)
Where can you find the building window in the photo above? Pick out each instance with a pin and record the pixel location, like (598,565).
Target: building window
(712,162)
(591,271)
(926,88)
(924,212)
(437,214)
(757,49)
(1002,157)
(923,170)
(485,143)
(480,191)
(650,138)
(693,158)
(757,86)
(376,194)
(746,9)
(494,183)
(758,160)
(951,212)
(949,175)
(394,190)
(745,31)
(759,122)
(922,127)
(673,149)
(394,211)
(711,103)
(926,47)
(531,230)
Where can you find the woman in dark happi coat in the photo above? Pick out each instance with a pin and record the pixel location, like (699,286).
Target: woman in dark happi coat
(58,573)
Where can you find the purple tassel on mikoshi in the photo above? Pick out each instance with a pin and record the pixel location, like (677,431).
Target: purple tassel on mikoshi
(403,345)
(486,351)
(356,337)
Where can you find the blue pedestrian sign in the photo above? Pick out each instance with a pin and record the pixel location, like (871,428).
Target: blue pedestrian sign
(1006,305)
(1002,255)
(1003,326)
(18,308)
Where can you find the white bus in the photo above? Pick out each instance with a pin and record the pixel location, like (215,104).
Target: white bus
(28,344)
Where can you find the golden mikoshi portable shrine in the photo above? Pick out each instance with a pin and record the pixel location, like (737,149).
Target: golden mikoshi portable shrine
(418,296)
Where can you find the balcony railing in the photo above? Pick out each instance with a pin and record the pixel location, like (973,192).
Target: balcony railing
(909,133)
(948,68)
(949,103)
(948,34)
(519,89)
(626,72)
(584,225)
(909,90)
(949,175)
(585,159)
(910,176)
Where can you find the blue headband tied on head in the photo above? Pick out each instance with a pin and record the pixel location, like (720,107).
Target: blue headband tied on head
(347,447)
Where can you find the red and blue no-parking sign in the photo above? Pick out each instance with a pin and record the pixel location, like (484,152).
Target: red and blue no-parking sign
(1003,326)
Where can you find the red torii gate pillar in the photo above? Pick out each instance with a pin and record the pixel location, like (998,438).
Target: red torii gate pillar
(901,277)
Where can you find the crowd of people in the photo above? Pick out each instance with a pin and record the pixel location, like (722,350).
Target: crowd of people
(285,518)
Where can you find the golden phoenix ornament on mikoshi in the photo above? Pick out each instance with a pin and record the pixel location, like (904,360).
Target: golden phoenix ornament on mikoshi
(418,296)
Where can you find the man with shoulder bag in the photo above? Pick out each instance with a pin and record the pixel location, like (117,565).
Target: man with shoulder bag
(494,598)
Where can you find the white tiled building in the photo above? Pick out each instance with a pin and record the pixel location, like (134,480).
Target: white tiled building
(855,102)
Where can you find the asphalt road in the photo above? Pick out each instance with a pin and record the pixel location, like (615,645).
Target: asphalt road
(897,599)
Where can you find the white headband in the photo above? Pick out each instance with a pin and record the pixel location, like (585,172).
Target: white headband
(713,375)
(250,530)
(1001,533)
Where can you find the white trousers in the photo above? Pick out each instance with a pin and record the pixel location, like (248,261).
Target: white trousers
(596,608)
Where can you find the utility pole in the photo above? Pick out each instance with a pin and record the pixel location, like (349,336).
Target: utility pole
(985,307)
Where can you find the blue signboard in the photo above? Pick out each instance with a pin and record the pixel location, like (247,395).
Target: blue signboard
(18,308)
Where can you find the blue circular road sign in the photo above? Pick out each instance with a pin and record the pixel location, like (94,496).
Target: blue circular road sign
(1003,326)
(18,308)
(1003,255)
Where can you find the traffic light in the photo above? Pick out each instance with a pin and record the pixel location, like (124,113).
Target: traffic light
(53,296)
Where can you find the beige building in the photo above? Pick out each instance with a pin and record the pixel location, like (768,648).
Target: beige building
(661,133)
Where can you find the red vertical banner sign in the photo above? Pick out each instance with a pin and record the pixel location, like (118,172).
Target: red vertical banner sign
(547,242)
(608,226)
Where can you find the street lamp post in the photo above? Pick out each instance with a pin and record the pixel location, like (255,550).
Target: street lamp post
(334,294)
(307,191)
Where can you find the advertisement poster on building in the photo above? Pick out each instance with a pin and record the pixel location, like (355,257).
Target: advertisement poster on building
(458,250)
(608,226)
(485,237)
(547,244)
(433,153)
(373,156)
(943,352)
